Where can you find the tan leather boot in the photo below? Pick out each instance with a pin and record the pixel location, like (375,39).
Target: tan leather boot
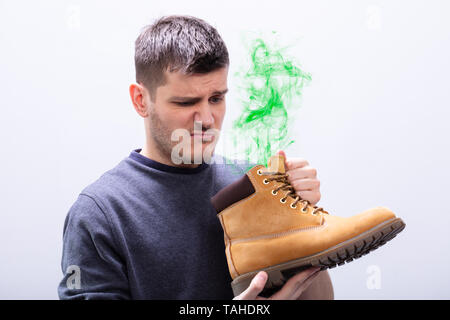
(267,226)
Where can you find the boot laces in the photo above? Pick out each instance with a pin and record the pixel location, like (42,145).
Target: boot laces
(290,192)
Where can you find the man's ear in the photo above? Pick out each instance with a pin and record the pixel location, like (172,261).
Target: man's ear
(138,95)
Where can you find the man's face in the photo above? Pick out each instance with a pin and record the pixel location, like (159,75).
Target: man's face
(185,100)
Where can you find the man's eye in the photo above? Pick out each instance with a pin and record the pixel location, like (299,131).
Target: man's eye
(184,104)
(216,99)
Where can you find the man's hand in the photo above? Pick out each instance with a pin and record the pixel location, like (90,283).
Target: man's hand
(291,290)
(303,178)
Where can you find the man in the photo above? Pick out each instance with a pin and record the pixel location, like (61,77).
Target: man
(146,228)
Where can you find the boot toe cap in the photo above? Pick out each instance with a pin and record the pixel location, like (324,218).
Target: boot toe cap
(373,217)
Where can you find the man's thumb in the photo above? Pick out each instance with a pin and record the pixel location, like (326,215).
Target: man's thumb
(281,153)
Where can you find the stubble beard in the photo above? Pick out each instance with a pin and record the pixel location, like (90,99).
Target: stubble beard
(161,135)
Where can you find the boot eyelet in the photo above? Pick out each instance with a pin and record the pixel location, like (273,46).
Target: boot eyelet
(266,181)
(259,172)
(282,200)
(274,192)
(293,207)
(303,210)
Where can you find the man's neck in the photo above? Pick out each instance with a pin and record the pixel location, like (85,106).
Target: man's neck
(156,156)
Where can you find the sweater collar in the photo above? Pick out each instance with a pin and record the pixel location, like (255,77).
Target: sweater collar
(135,155)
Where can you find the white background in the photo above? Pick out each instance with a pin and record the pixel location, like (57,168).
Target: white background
(374,122)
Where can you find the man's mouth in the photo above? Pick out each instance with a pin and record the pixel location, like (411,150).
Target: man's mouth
(202,135)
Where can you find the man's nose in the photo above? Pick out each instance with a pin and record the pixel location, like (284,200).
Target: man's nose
(204,114)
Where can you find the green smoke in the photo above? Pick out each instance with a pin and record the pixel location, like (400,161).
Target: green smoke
(269,85)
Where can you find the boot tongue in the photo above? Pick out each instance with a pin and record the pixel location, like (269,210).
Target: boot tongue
(275,165)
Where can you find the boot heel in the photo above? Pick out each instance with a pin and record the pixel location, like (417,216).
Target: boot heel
(276,279)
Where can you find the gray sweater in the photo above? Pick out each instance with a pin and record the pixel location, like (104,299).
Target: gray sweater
(145,230)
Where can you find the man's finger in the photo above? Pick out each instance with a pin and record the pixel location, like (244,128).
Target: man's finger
(296,163)
(302,173)
(312,196)
(305,184)
(292,163)
(255,287)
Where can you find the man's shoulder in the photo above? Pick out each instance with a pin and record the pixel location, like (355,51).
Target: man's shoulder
(91,202)
(84,210)
(110,182)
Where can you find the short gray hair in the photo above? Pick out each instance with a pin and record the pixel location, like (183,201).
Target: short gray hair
(177,43)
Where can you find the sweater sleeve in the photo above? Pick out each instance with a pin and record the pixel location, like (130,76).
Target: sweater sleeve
(91,264)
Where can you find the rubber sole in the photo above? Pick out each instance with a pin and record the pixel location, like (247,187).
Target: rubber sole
(338,255)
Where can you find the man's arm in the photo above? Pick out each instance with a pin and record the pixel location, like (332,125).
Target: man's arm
(91,265)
